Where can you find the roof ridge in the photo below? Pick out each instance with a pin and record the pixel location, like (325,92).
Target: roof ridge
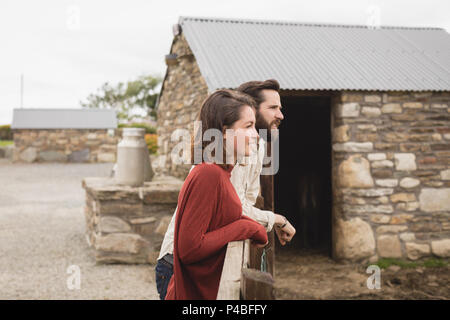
(298,23)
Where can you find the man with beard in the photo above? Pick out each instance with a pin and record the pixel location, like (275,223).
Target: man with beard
(245,179)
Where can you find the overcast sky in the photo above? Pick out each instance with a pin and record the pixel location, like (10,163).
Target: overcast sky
(68,49)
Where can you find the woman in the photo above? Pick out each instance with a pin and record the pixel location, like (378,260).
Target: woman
(209,210)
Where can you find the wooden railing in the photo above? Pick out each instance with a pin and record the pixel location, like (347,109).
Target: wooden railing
(242,277)
(229,287)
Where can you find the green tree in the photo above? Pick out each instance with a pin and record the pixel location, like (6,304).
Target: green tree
(127,99)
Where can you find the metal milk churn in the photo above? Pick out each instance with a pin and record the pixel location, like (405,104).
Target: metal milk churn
(133,162)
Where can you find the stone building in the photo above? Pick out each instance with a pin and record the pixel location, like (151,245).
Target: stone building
(64,135)
(365,144)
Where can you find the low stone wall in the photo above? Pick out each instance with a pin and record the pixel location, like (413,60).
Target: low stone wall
(65,145)
(127,224)
(6,152)
(391,176)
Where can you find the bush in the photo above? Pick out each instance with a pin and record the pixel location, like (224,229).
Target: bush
(5,132)
(148,128)
(5,143)
(152,142)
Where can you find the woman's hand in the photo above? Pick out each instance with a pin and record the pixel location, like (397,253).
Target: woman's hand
(259,245)
(260,236)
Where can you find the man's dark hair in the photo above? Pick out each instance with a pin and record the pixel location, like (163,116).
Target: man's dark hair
(254,89)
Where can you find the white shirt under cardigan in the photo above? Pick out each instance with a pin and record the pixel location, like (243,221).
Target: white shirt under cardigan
(245,179)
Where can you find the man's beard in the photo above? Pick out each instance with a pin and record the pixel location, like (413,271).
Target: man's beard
(261,123)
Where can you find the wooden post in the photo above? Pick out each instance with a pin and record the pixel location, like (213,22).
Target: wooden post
(229,285)
(256,285)
(255,253)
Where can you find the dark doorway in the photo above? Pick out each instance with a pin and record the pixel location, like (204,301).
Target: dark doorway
(302,186)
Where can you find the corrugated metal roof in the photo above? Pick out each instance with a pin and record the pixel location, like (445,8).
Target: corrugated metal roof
(64,119)
(306,56)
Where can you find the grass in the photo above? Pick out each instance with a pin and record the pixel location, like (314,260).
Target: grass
(432,263)
(428,263)
(4,143)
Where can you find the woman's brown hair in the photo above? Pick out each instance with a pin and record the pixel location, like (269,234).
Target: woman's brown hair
(219,111)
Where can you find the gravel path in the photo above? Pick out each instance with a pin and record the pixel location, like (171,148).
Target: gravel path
(42,234)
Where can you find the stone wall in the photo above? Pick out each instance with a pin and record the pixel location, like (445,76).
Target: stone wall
(6,152)
(127,224)
(65,145)
(183,93)
(391,176)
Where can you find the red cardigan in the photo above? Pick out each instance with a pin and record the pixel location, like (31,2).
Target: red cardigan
(209,216)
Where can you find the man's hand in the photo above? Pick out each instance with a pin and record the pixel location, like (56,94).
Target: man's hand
(286,233)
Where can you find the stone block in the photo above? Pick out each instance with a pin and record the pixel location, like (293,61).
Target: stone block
(380,218)
(353,147)
(29,155)
(52,156)
(388,246)
(348,110)
(445,174)
(391,108)
(441,248)
(142,220)
(405,161)
(382,164)
(407,236)
(340,134)
(401,218)
(372,98)
(79,155)
(413,105)
(408,182)
(369,192)
(416,251)
(355,173)
(434,199)
(371,111)
(367,127)
(389,183)
(113,224)
(354,239)
(403,197)
(121,243)
(376,156)
(391,229)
